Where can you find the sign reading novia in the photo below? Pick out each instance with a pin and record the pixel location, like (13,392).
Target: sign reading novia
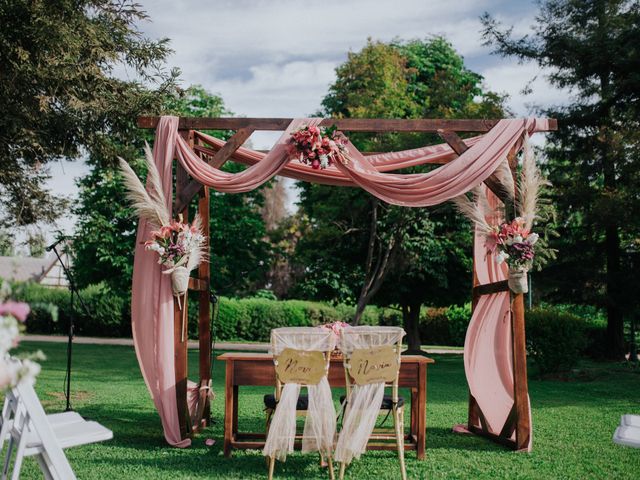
(374,365)
(298,366)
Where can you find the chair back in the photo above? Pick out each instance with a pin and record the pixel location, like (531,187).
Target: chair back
(371,360)
(30,417)
(301,354)
(301,357)
(372,355)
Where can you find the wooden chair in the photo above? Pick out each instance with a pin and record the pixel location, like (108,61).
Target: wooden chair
(314,352)
(372,356)
(32,433)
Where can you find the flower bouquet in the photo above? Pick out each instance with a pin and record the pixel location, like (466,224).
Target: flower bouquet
(179,248)
(179,245)
(515,245)
(512,242)
(317,146)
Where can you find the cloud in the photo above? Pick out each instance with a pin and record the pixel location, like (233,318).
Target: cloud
(513,78)
(277,58)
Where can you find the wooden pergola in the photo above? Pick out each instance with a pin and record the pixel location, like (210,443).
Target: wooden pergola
(187,189)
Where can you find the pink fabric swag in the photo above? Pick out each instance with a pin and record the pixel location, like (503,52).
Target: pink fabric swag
(487,340)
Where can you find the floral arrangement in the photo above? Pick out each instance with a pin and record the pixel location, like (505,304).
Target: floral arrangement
(317,146)
(512,242)
(335,327)
(14,370)
(175,241)
(179,245)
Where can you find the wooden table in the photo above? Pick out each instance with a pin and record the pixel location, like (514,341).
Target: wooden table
(257,369)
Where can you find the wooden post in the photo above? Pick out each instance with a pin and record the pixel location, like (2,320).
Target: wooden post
(520,384)
(204,315)
(519,346)
(180,327)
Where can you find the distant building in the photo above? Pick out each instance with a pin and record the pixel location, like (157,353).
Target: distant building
(45,271)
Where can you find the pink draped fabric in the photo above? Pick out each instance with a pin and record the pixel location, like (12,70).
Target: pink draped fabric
(152,303)
(488,352)
(487,339)
(384,162)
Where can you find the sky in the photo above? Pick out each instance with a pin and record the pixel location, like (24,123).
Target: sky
(277,58)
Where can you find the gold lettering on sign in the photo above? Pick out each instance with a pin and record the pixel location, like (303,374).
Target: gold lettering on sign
(374,365)
(298,366)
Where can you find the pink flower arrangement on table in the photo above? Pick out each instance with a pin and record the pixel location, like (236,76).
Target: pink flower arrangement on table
(514,244)
(317,146)
(335,327)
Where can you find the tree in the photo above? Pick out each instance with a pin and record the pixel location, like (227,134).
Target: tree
(60,97)
(36,244)
(357,243)
(105,233)
(7,245)
(240,251)
(593,159)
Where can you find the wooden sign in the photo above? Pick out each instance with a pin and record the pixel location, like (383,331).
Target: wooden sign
(298,366)
(374,365)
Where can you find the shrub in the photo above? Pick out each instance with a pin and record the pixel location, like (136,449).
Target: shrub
(459,318)
(595,324)
(434,326)
(555,339)
(107,314)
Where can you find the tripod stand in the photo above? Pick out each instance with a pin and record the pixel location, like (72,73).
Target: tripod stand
(73,291)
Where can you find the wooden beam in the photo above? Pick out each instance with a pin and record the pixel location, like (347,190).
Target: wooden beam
(219,158)
(198,284)
(458,146)
(345,124)
(489,288)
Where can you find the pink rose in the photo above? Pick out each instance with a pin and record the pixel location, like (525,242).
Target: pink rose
(19,310)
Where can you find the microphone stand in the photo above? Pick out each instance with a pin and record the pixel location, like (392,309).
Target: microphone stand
(73,291)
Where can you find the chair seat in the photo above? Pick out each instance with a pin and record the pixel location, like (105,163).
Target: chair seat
(387,401)
(70,435)
(56,419)
(629,436)
(270,402)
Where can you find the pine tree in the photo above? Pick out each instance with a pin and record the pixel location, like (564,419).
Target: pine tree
(589,47)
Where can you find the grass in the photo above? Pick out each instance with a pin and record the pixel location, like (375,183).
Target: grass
(573,424)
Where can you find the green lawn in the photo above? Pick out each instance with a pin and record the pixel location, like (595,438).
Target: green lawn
(573,424)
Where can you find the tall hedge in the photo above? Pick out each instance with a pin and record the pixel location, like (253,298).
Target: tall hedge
(555,337)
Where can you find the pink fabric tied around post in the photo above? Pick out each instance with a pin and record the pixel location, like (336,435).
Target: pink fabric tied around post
(152,300)
(488,352)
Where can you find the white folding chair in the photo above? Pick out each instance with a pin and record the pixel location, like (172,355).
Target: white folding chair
(628,433)
(9,410)
(32,434)
(371,361)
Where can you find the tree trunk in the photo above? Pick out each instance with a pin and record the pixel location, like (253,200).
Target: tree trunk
(411,322)
(615,320)
(375,272)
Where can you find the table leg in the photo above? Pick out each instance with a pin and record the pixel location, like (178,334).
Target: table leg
(229,412)
(234,430)
(413,428)
(422,411)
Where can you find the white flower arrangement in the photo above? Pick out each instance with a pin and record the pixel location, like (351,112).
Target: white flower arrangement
(14,369)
